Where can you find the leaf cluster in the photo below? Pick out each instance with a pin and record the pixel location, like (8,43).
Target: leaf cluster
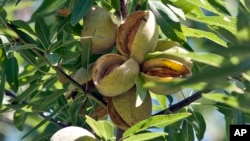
(39,56)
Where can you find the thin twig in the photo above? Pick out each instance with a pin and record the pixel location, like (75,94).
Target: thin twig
(59,71)
(123,8)
(119,133)
(182,103)
(42,114)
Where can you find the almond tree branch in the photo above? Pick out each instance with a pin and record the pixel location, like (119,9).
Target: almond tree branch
(58,70)
(183,103)
(42,114)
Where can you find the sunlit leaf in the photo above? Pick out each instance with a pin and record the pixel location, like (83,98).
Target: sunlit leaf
(3,57)
(23,25)
(166,10)
(145,136)
(206,5)
(188,8)
(169,28)
(161,100)
(225,99)
(191,32)
(102,128)
(228,23)
(155,121)
(141,92)
(246,4)
(177,11)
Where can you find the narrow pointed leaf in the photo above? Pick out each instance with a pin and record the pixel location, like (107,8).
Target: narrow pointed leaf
(102,128)
(81,8)
(11,71)
(141,92)
(42,31)
(2,85)
(145,136)
(19,119)
(205,4)
(23,25)
(155,121)
(191,32)
(226,99)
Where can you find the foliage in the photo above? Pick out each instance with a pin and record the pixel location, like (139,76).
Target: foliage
(38,56)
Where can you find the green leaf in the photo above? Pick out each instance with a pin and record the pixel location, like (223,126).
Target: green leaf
(86,54)
(145,136)
(228,23)
(191,32)
(19,119)
(51,115)
(42,31)
(11,71)
(27,93)
(76,107)
(177,11)
(102,128)
(81,8)
(17,2)
(26,37)
(141,92)
(199,122)
(187,131)
(132,6)
(23,47)
(29,79)
(225,99)
(161,100)
(246,4)
(53,58)
(23,25)
(116,4)
(2,85)
(46,7)
(3,16)
(171,29)
(3,57)
(155,121)
(187,7)
(206,5)
(166,10)
(48,100)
